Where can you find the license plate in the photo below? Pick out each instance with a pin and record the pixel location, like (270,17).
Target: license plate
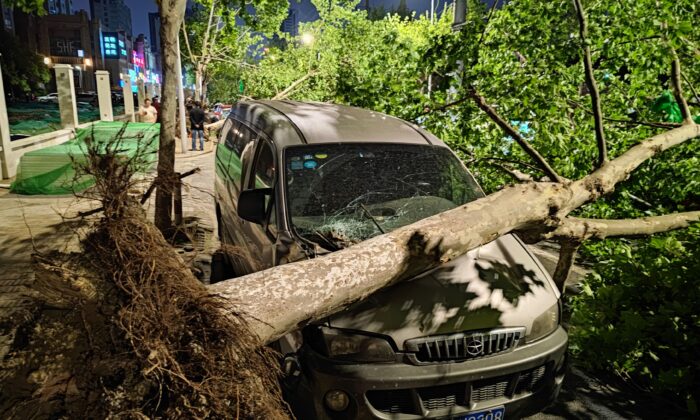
(497,413)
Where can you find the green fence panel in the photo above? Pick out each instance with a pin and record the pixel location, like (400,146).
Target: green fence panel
(52,170)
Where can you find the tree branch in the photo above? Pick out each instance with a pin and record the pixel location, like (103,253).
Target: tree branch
(692,89)
(678,89)
(541,162)
(655,124)
(290,88)
(567,253)
(429,110)
(205,42)
(486,25)
(592,86)
(187,42)
(146,195)
(582,229)
(513,173)
(604,179)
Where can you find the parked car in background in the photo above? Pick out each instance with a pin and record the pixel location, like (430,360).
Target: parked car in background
(221,110)
(51,97)
(87,98)
(117,96)
(478,338)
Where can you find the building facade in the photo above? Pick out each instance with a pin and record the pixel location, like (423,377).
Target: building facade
(117,48)
(156,48)
(6,14)
(290,25)
(59,7)
(114,15)
(70,39)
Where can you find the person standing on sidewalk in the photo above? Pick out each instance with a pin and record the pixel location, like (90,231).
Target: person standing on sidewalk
(148,112)
(197,123)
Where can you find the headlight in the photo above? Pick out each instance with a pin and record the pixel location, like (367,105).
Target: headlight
(344,345)
(544,324)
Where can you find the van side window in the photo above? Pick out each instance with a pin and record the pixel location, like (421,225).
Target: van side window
(225,130)
(229,134)
(264,167)
(264,178)
(241,135)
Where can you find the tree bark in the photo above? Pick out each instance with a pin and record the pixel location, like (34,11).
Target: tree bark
(582,229)
(567,253)
(172,13)
(284,298)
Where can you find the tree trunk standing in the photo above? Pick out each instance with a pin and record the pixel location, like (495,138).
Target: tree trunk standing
(172,13)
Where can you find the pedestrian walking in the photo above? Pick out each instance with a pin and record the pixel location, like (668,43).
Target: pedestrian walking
(148,112)
(197,123)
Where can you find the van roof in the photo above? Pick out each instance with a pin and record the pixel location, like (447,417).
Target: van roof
(320,122)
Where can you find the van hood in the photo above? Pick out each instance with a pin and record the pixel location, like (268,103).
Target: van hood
(497,285)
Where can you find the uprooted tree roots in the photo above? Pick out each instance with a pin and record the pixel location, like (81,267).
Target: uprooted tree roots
(126,330)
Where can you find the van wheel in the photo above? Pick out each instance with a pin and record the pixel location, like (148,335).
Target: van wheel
(221,268)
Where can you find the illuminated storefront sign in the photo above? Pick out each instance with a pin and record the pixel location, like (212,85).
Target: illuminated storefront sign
(137,59)
(65,47)
(110,45)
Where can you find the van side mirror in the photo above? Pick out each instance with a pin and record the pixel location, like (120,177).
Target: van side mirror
(251,204)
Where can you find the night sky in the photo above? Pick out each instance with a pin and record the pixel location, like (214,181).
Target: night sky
(305,11)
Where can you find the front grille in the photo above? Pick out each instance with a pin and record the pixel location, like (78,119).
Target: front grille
(443,396)
(392,401)
(530,380)
(463,346)
(459,395)
(489,389)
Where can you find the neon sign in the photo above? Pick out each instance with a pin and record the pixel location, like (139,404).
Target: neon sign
(137,59)
(110,46)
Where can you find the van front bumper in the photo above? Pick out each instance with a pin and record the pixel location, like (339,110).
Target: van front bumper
(524,381)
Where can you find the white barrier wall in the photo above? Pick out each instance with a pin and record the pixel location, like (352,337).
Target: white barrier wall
(104,95)
(128,97)
(4,133)
(66,95)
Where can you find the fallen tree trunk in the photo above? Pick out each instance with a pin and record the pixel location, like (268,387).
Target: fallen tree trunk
(283,298)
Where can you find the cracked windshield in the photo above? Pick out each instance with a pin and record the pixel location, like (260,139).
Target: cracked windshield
(340,195)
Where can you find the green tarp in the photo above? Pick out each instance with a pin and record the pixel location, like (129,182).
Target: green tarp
(52,170)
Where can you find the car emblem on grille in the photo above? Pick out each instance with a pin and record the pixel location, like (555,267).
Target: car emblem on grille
(475,347)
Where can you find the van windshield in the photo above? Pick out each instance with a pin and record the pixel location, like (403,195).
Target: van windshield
(342,194)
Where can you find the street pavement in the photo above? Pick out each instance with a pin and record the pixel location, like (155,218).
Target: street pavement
(45,223)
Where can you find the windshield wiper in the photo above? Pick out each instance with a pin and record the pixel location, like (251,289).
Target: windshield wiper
(327,240)
(372,218)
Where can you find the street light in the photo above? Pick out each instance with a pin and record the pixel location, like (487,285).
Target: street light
(47,60)
(87,62)
(307,38)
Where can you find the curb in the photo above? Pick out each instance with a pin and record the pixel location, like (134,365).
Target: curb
(192,155)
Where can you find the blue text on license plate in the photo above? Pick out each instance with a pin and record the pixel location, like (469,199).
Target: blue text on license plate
(498,413)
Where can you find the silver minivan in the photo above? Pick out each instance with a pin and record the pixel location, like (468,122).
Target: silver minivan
(478,338)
